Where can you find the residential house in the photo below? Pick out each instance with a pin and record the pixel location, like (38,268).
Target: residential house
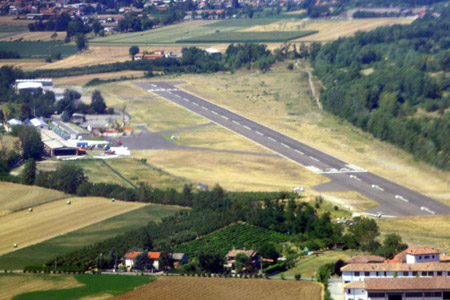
(364,259)
(39,123)
(130,259)
(11,123)
(231,256)
(179,259)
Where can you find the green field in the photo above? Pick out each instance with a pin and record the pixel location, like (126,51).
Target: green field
(94,285)
(42,252)
(38,49)
(242,23)
(164,35)
(248,36)
(239,235)
(12,28)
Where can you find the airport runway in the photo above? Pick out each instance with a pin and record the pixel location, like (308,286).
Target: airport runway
(394,199)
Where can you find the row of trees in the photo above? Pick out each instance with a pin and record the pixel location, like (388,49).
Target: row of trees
(382,82)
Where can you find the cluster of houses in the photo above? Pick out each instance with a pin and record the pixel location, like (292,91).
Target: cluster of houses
(414,274)
(180,259)
(157,53)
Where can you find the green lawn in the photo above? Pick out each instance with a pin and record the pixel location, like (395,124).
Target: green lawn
(308,265)
(95,285)
(42,252)
(13,28)
(38,49)
(243,23)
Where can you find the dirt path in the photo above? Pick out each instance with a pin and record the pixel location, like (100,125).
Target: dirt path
(312,89)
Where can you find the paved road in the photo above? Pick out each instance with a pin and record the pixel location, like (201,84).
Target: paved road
(394,199)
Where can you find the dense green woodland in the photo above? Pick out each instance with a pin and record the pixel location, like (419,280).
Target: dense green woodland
(394,83)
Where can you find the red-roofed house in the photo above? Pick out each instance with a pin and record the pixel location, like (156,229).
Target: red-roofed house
(423,254)
(130,258)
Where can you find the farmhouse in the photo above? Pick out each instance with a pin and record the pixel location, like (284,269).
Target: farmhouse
(418,278)
(231,256)
(27,84)
(364,259)
(130,259)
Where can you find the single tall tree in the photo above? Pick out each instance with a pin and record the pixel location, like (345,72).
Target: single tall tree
(133,51)
(29,172)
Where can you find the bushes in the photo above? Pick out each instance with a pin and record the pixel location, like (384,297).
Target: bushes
(276,268)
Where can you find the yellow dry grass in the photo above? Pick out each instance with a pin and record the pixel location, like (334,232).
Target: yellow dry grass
(216,137)
(56,218)
(8,142)
(25,64)
(16,284)
(35,36)
(17,196)
(188,288)
(82,80)
(11,20)
(427,231)
(232,171)
(279,99)
(330,30)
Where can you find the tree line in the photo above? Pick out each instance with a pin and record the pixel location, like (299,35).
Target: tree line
(392,83)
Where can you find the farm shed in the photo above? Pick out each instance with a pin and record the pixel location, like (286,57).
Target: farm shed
(56,145)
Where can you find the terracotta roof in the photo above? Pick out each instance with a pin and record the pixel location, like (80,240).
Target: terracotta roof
(445,258)
(355,285)
(432,266)
(132,254)
(235,252)
(362,259)
(421,251)
(382,284)
(154,255)
(399,258)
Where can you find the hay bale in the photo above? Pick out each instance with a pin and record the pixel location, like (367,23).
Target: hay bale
(69,202)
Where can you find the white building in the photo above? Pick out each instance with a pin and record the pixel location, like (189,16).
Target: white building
(421,255)
(39,123)
(130,258)
(43,83)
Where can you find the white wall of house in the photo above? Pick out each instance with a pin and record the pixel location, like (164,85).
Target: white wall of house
(361,276)
(412,259)
(129,263)
(355,294)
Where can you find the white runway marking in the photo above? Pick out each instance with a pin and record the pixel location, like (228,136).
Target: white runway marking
(259,133)
(236,122)
(272,139)
(178,95)
(214,112)
(427,210)
(204,108)
(313,158)
(401,198)
(247,127)
(186,99)
(354,177)
(195,103)
(226,118)
(284,145)
(377,187)
(299,152)
(169,92)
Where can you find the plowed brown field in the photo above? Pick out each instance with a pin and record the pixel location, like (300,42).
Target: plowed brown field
(187,288)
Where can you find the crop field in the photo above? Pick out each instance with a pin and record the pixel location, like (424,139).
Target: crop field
(55,218)
(426,231)
(189,288)
(15,197)
(216,137)
(241,23)
(16,284)
(308,265)
(38,49)
(92,287)
(235,172)
(247,37)
(43,36)
(46,250)
(241,236)
(330,30)
(164,35)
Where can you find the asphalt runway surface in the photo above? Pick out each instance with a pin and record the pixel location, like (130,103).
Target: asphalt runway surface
(394,200)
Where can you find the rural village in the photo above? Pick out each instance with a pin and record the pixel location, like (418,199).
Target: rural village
(238,149)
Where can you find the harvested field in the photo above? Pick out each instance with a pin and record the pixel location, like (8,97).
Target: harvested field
(247,37)
(17,196)
(330,30)
(234,172)
(55,218)
(25,64)
(187,288)
(82,80)
(425,231)
(12,20)
(39,50)
(16,284)
(35,36)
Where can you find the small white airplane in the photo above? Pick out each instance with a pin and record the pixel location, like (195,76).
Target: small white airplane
(380,214)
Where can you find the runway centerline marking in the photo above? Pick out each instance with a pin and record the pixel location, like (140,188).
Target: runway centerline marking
(186,99)
(195,103)
(313,158)
(204,108)
(272,139)
(299,152)
(226,118)
(246,127)
(236,122)
(214,112)
(284,145)
(259,133)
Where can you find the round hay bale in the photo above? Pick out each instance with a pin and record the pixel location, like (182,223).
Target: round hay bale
(15,245)
(30,209)
(69,202)
(113,200)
